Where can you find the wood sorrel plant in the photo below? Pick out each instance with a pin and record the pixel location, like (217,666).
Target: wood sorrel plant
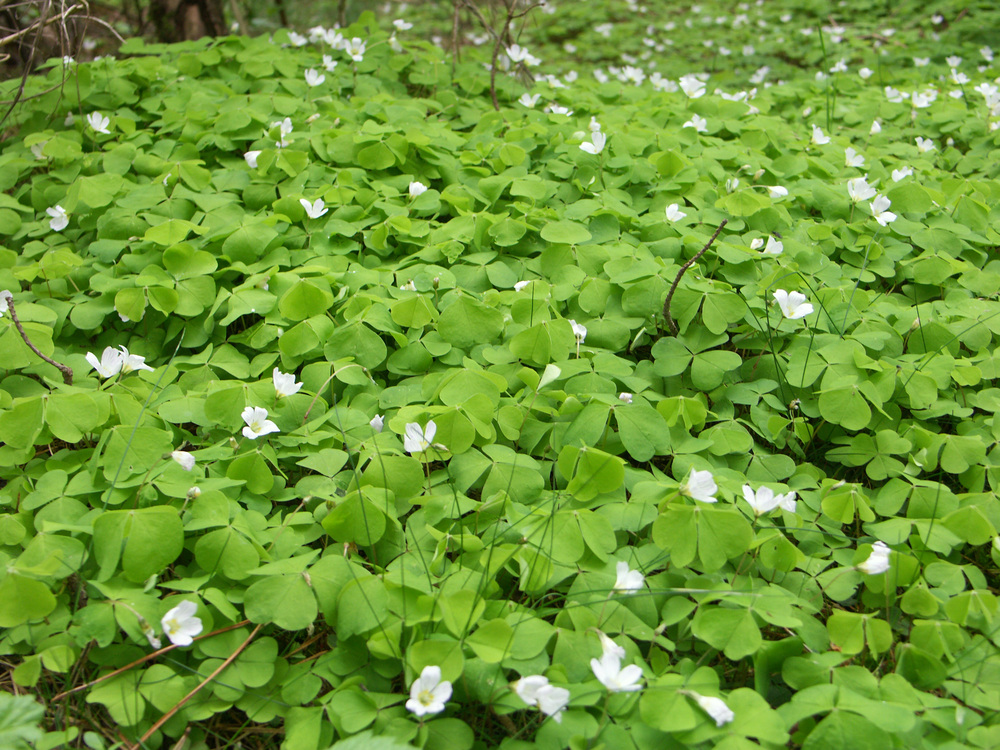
(409,466)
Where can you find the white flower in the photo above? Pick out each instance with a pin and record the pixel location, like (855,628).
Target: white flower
(953,61)
(674,213)
(335,39)
(714,707)
(692,86)
(859,189)
(535,690)
(865,73)
(409,286)
(417,188)
(314,210)
(764,500)
(609,671)
(284,383)
(959,79)
(594,125)
(852,158)
(251,158)
(818,137)
(920,100)
(579,331)
(429,692)
(314,77)
(899,174)
(924,144)
(517,54)
(610,648)
(598,140)
(625,398)
(37,149)
(731,184)
(558,110)
(284,128)
(110,364)
(99,122)
(180,624)
(878,560)
(774,247)
(700,124)
(893,95)
(402,25)
(921,62)
(329,64)
(529,100)
(417,440)
(756,243)
(355,49)
(185,459)
(840,66)
(4,306)
(296,39)
(59,220)
(258,424)
(987,53)
(132,362)
(147,630)
(628,581)
(937,19)
(777,191)
(880,210)
(520,285)
(793,304)
(876,128)
(701,486)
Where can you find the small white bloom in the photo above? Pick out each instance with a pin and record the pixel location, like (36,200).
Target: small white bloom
(529,100)
(559,110)
(859,189)
(4,305)
(774,247)
(840,66)
(921,100)
(59,220)
(880,210)
(987,53)
(596,146)
(674,213)
(417,188)
(527,688)
(625,398)
(329,64)
(924,144)
(852,158)
(899,174)
(692,86)
(37,149)
(893,95)
(296,39)
(284,383)
(520,285)
(953,61)
(921,62)
(417,439)
(402,25)
(714,707)
(865,73)
(99,122)
(579,331)
(777,191)
(697,122)
(409,286)
(258,424)
(377,422)
(132,362)
(552,701)
(756,243)
(731,184)
(609,671)
(876,128)
(818,136)
(764,500)
(628,581)
(185,459)
(429,692)
(610,648)
(701,486)
(793,304)
(355,49)
(594,125)
(110,363)
(314,77)
(878,560)
(251,158)
(180,624)
(314,210)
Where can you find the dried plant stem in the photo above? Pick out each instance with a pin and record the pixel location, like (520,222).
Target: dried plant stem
(180,704)
(499,38)
(673,288)
(67,372)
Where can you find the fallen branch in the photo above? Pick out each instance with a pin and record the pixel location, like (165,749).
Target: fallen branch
(670,295)
(67,372)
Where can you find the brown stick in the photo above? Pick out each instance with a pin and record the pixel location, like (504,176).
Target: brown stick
(144,659)
(180,704)
(670,295)
(67,372)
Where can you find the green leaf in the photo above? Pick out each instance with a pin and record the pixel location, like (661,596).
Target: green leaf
(643,432)
(565,232)
(732,631)
(145,540)
(466,322)
(285,600)
(23,599)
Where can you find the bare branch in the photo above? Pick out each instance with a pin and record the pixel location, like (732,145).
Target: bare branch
(673,288)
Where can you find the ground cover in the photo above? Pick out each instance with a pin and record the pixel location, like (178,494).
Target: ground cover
(653,406)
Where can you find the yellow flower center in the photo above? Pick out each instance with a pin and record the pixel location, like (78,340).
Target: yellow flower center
(425,697)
